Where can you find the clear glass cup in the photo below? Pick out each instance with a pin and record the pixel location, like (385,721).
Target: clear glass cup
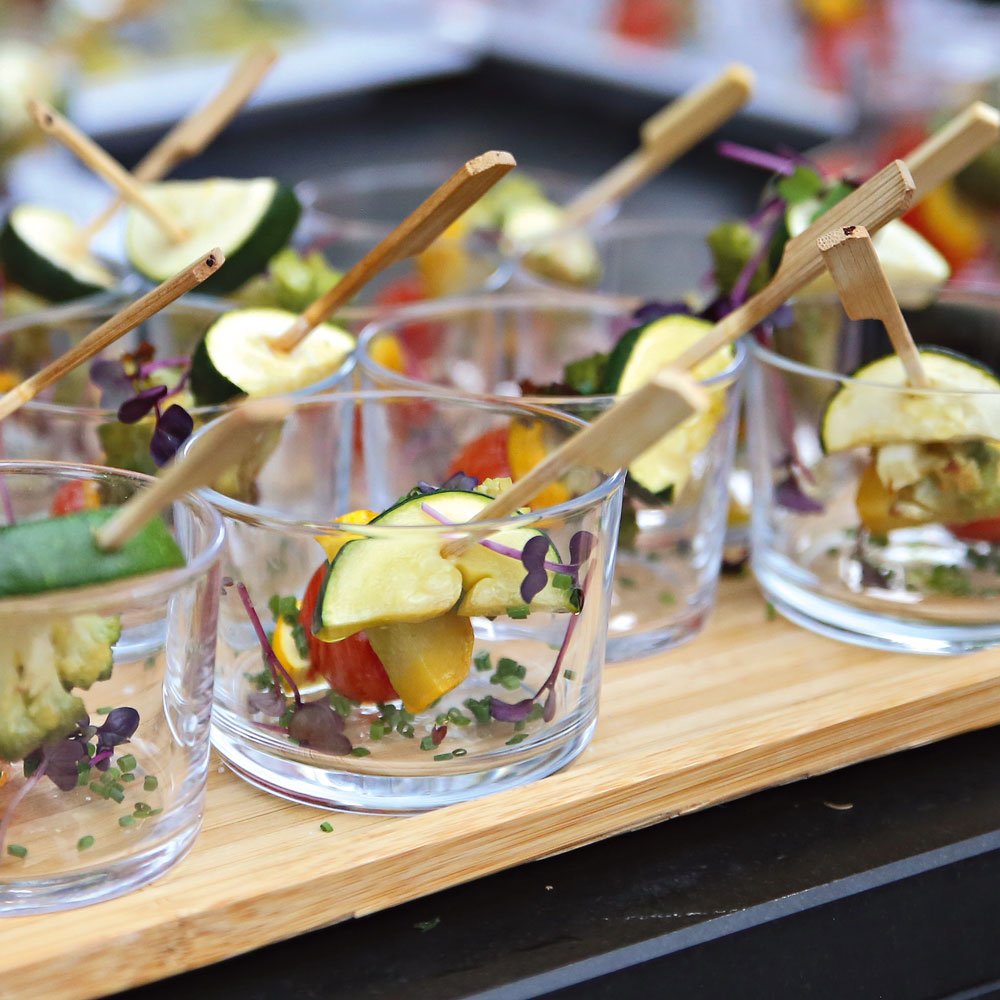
(109,833)
(669,552)
(346,452)
(67,421)
(910,566)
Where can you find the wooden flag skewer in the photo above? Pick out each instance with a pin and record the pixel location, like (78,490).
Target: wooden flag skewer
(620,435)
(223,444)
(864,290)
(665,137)
(108,332)
(415,233)
(52,123)
(192,134)
(953,147)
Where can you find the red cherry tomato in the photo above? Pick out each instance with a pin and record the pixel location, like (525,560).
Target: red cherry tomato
(349,666)
(485,458)
(986,530)
(76,495)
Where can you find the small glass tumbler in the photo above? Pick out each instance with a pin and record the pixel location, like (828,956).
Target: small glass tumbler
(669,547)
(427,705)
(78,829)
(69,421)
(896,544)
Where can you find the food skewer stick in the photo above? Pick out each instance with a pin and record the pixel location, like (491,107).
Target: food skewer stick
(52,123)
(223,444)
(193,134)
(953,147)
(665,137)
(613,441)
(109,331)
(880,199)
(415,233)
(850,257)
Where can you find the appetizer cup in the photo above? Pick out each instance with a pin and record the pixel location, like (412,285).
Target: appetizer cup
(876,515)
(443,695)
(672,528)
(77,418)
(81,829)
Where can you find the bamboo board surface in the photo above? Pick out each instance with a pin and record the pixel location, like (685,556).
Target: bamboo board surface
(751,703)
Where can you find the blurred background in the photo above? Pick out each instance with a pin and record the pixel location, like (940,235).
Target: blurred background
(561,83)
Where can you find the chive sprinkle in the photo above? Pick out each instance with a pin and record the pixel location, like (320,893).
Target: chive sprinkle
(326,827)
(443,756)
(105,710)
(127,763)
(127,820)
(516,738)
(17,850)
(360,752)
(84,842)
(149,783)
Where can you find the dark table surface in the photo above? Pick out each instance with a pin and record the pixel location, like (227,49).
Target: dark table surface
(878,881)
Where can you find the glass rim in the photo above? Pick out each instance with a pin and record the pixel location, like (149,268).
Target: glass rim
(971,293)
(605,304)
(130,590)
(87,306)
(259,516)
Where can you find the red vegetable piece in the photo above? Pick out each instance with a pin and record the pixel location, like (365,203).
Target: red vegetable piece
(986,530)
(485,458)
(74,496)
(349,666)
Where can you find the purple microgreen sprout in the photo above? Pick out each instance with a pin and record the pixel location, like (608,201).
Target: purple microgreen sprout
(8,507)
(173,428)
(653,309)
(766,226)
(278,672)
(317,726)
(773,162)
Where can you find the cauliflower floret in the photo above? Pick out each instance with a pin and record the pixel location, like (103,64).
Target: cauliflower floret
(38,668)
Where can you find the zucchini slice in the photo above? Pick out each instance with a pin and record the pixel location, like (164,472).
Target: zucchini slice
(914,267)
(235,357)
(251,220)
(60,552)
(40,250)
(664,469)
(864,413)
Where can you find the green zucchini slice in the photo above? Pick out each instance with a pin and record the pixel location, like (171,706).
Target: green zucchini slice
(235,357)
(40,250)
(865,413)
(665,468)
(251,220)
(60,552)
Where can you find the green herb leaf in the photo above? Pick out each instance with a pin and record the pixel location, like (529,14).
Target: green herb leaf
(585,375)
(802,185)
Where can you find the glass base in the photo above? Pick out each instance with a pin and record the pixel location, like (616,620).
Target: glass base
(864,627)
(395,794)
(95,885)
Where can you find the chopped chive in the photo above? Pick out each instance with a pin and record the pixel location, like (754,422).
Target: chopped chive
(570,675)
(84,842)
(126,763)
(562,581)
(149,663)
(480,709)
(339,704)
(458,717)
(441,719)
(427,925)
(118,794)
(510,682)
(17,850)
(519,725)
(536,712)
(627,582)
(666,597)
(126,820)
(405,729)
(326,827)
(519,611)
(149,783)
(112,774)
(516,738)
(105,709)
(427,743)
(459,752)
(376,730)
(128,777)
(482,660)
(360,752)
(770,611)
(443,756)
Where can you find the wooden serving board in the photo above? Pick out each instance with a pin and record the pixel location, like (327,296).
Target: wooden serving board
(752,702)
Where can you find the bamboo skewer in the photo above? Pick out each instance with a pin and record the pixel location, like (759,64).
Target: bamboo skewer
(864,290)
(110,331)
(665,137)
(52,123)
(611,442)
(224,443)
(953,147)
(193,134)
(882,198)
(415,233)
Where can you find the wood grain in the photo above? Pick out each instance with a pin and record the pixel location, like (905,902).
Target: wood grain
(749,704)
